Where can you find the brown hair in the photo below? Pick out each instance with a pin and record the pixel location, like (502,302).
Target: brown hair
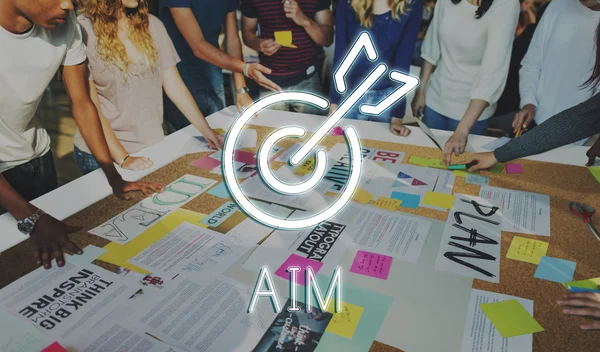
(594,80)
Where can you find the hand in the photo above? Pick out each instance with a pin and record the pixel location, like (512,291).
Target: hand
(257,73)
(593,153)
(524,117)
(137,163)
(418,103)
(50,240)
(585,304)
(269,47)
(456,144)
(214,140)
(482,161)
(398,128)
(243,101)
(121,188)
(294,12)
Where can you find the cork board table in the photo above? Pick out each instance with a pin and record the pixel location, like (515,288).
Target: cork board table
(570,239)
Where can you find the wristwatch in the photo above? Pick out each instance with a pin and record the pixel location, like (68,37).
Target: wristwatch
(27,225)
(243,90)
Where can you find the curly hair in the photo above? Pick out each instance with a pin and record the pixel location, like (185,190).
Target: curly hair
(364,10)
(104,15)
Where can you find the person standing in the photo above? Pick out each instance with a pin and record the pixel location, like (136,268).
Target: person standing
(39,37)
(294,68)
(195,26)
(393,26)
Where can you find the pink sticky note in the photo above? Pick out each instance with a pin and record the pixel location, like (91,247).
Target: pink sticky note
(514,169)
(206,162)
(245,157)
(372,264)
(55,347)
(337,131)
(302,263)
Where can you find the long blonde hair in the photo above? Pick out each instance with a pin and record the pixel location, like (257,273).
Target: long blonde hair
(364,10)
(104,15)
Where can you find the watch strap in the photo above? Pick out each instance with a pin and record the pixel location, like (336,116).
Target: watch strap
(243,90)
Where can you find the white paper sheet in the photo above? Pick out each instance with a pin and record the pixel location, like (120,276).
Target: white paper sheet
(137,219)
(497,143)
(65,301)
(481,336)
(18,336)
(196,144)
(482,251)
(205,316)
(247,139)
(391,233)
(523,212)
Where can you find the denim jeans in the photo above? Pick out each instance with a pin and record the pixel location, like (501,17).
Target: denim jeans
(209,101)
(372,98)
(310,85)
(438,121)
(33,179)
(85,161)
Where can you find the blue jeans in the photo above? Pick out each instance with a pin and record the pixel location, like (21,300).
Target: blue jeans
(209,101)
(85,161)
(438,121)
(373,97)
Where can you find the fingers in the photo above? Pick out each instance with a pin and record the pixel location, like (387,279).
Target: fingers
(72,229)
(591,157)
(583,312)
(591,326)
(45,255)
(71,247)
(37,256)
(594,297)
(517,122)
(267,83)
(57,253)
(263,69)
(447,154)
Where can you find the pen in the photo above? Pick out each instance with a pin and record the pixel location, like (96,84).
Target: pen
(580,289)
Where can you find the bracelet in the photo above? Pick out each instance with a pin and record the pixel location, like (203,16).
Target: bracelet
(246,69)
(124,159)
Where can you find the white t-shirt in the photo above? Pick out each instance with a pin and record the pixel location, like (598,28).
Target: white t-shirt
(471,55)
(28,62)
(560,59)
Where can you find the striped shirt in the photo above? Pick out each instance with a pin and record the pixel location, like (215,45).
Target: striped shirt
(289,65)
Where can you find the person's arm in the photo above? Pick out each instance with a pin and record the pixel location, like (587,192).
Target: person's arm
(233,47)
(117,151)
(190,29)
(492,76)
(249,28)
(320,30)
(583,304)
(180,95)
(566,127)
(88,122)
(342,40)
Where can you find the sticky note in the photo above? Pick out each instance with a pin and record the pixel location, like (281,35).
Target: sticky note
(361,196)
(554,269)
(307,166)
(345,322)
(408,200)
(591,284)
(55,347)
(302,263)
(219,190)
(437,163)
(440,200)
(206,162)
(337,131)
(477,180)
(460,173)
(372,264)
(285,39)
(510,318)
(220,131)
(387,203)
(417,160)
(595,170)
(90,253)
(497,169)
(514,169)
(527,250)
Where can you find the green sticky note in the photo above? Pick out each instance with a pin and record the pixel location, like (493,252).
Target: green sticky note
(510,318)
(595,170)
(417,160)
(496,169)
(591,284)
(437,163)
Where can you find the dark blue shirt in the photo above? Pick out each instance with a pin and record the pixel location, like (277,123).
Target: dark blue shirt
(210,15)
(394,41)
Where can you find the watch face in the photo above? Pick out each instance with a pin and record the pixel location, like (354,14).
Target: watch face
(25,226)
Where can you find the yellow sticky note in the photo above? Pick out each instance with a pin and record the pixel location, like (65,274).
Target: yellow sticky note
(591,284)
(307,167)
(285,39)
(417,160)
(440,200)
(510,318)
(460,173)
(437,163)
(527,250)
(345,322)
(220,131)
(119,254)
(387,203)
(361,196)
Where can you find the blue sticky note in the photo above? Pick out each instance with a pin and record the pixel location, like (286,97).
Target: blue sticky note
(219,191)
(477,180)
(408,200)
(554,269)
(90,253)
